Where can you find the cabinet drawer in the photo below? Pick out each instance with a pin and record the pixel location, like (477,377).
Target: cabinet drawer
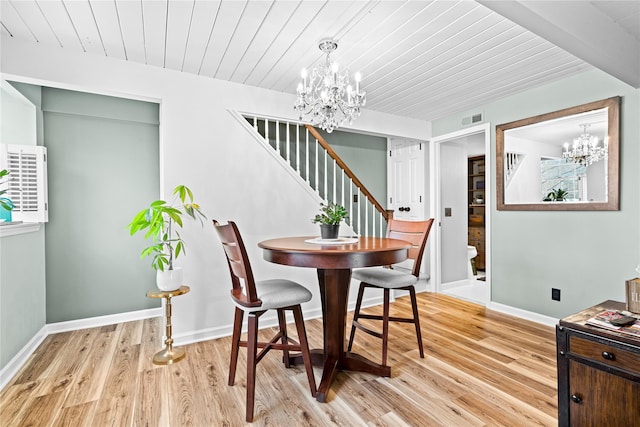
(476,233)
(602,353)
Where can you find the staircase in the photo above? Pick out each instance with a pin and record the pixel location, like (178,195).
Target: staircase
(511,164)
(312,160)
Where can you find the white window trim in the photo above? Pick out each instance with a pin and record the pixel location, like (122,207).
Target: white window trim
(20,228)
(27,222)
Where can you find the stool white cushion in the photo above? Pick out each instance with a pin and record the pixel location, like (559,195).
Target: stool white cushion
(384,277)
(278,293)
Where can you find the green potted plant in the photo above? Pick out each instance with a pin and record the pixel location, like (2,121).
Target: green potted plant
(6,206)
(557,195)
(329,218)
(161,221)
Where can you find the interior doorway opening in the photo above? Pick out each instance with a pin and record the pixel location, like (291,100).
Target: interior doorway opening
(461,200)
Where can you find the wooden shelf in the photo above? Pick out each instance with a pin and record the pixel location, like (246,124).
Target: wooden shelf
(475,178)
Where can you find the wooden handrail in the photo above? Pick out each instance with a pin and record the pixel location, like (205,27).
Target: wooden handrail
(387,214)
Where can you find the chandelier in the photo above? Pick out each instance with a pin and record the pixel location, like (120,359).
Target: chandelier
(326,95)
(585,150)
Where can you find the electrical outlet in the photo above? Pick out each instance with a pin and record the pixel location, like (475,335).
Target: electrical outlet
(555,294)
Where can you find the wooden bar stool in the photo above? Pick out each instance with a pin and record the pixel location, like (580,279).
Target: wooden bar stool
(386,279)
(255,298)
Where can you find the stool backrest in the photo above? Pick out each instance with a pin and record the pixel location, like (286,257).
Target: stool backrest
(415,232)
(243,286)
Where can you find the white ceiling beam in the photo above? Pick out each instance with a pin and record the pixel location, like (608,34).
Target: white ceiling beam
(580,29)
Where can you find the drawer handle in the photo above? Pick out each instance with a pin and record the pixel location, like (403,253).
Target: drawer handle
(576,398)
(608,356)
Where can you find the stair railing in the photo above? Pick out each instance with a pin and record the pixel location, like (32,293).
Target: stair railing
(303,149)
(512,162)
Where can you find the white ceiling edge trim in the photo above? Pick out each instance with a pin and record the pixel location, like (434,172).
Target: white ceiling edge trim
(618,54)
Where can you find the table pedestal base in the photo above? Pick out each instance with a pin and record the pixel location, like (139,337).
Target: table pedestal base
(334,291)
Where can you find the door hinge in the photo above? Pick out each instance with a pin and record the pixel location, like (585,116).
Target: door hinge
(420,146)
(420,199)
(389,153)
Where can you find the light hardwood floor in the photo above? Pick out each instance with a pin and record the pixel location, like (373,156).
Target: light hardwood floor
(480,368)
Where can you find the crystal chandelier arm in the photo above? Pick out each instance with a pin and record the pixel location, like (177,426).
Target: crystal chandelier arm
(328,97)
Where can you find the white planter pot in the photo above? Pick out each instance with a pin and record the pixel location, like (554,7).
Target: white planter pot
(169,280)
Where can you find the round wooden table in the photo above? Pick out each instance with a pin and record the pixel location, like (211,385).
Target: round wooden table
(334,264)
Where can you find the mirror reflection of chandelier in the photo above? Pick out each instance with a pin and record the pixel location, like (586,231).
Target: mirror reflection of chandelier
(326,95)
(585,150)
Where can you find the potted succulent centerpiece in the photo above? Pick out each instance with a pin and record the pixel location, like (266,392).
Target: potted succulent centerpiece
(161,221)
(329,218)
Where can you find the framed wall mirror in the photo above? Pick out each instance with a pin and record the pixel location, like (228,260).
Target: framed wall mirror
(564,160)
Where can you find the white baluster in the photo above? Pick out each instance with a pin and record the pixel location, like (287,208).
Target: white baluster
(335,185)
(359,213)
(325,176)
(317,167)
(278,137)
(266,130)
(298,148)
(288,150)
(342,188)
(307,157)
(351,219)
(366,217)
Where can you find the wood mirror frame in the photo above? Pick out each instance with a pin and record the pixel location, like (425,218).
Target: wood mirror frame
(612,202)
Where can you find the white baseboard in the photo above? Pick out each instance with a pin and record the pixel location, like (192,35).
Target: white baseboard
(523,314)
(93,322)
(14,365)
(451,285)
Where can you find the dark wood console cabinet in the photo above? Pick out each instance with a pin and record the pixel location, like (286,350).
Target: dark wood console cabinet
(598,373)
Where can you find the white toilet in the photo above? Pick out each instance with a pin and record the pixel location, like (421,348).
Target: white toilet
(472,252)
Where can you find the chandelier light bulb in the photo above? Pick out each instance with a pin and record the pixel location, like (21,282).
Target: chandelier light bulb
(327,98)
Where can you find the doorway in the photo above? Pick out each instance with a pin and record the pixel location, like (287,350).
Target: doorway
(454,273)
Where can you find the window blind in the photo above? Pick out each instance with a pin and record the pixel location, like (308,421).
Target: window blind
(27,184)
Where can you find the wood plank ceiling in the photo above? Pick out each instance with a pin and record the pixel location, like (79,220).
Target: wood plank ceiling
(420,59)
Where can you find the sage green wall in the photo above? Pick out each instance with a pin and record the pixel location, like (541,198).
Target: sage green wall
(22,271)
(103,168)
(22,293)
(587,255)
(366,157)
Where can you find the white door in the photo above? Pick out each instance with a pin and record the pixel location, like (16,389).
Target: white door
(405,179)
(406,187)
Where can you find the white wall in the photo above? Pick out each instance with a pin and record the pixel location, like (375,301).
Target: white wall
(231,176)
(18,117)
